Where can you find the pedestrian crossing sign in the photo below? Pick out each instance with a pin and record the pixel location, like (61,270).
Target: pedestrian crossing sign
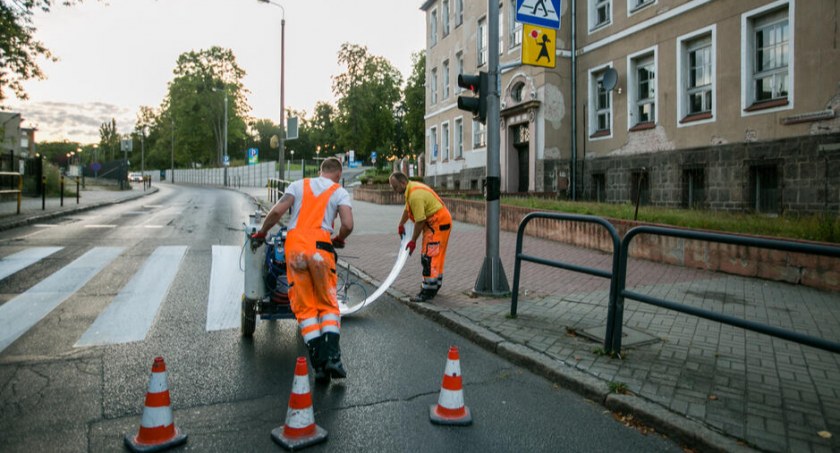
(538,46)
(539,12)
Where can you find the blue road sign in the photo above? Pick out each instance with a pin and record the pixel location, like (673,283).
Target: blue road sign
(539,12)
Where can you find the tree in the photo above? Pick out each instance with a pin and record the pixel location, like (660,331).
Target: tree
(195,102)
(18,47)
(109,138)
(368,93)
(322,126)
(415,104)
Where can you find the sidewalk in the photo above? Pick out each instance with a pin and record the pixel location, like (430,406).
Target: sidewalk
(34,210)
(709,386)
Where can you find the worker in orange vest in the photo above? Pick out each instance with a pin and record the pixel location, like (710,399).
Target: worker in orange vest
(311,260)
(431,219)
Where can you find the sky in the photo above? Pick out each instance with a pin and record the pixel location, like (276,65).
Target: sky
(117,55)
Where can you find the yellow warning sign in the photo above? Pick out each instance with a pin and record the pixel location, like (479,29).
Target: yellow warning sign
(538,46)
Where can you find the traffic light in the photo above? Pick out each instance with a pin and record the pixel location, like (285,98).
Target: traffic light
(479,85)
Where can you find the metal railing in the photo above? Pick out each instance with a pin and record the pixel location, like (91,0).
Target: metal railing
(276,187)
(616,311)
(613,234)
(618,277)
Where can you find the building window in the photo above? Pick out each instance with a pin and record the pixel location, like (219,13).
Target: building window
(600,113)
(501,22)
(460,58)
(459,138)
(640,187)
(600,13)
(444,16)
(764,189)
(479,134)
(514,27)
(433,87)
(696,69)
(768,50)
(459,12)
(599,187)
(433,28)
(481,42)
(635,5)
(516,92)
(445,141)
(445,70)
(693,188)
(642,87)
(433,145)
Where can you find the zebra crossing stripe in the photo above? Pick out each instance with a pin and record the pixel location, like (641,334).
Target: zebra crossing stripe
(130,316)
(13,263)
(21,313)
(227,282)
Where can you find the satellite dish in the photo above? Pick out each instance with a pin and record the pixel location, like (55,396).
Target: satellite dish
(610,79)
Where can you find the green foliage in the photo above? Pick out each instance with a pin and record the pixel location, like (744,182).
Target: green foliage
(824,228)
(109,140)
(415,104)
(618,387)
(190,122)
(375,176)
(368,94)
(19,49)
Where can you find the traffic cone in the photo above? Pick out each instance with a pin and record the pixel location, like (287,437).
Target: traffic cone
(450,409)
(300,429)
(157,430)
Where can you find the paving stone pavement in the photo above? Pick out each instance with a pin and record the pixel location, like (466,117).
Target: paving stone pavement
(710,386)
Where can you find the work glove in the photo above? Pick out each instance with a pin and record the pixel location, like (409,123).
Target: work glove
(257,239)
(338,243)
(401,231)
(410,247)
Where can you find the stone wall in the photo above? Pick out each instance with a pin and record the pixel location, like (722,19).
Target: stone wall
(808,270)
(807,168)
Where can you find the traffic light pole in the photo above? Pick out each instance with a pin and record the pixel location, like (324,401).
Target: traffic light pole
(491,279)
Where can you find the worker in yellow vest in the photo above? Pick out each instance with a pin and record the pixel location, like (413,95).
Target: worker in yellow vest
(431,219)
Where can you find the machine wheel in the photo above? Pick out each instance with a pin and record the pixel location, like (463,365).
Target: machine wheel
(248,317)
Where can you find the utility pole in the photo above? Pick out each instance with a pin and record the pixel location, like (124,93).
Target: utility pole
(172,150)
(491,279)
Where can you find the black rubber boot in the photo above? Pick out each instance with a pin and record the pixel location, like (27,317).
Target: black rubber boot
(317,359)
(424,295)
(334,368)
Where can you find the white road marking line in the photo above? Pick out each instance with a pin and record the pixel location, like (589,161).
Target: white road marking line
(21,313)
(227,281)
(25,258)
(100,226)
(131,314)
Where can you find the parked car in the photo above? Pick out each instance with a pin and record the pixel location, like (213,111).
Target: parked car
(135,177)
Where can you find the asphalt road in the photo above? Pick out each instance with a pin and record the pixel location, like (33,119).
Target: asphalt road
(227,392)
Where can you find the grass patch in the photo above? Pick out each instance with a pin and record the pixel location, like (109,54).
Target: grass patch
(822,227)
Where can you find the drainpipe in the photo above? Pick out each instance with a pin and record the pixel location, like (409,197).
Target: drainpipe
(574,102)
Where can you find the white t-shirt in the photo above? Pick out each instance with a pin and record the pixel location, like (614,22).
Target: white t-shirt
(318,185)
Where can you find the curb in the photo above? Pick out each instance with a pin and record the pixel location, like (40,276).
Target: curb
(682,430)
(16,223)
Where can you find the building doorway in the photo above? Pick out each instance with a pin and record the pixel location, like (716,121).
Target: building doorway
(521,143)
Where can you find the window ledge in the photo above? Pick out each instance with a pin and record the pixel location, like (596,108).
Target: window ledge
(643,126)
(767,105)
(696,117)
(602,133)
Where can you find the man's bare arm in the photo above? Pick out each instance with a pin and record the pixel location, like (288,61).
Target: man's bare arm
(277,211)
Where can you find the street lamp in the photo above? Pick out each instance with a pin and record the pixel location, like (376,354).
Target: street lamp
(225,145)
(282,149)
